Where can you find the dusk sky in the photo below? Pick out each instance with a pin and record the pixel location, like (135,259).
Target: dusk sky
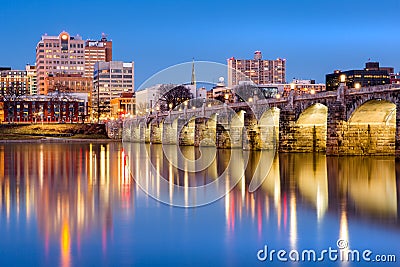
(315,37)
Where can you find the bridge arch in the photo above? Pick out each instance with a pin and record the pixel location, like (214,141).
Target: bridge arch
(371,129)
(206,130)
(311,128)
(269,128)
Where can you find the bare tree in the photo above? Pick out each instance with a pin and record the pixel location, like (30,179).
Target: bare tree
(248,92)
(172,96)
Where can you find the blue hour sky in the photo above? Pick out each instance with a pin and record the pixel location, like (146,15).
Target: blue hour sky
(315,37)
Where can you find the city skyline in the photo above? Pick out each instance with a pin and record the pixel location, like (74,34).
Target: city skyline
(314,38)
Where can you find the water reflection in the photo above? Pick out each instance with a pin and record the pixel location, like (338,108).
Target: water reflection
(77,193)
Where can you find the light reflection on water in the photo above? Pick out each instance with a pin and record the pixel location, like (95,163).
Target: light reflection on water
(78,205)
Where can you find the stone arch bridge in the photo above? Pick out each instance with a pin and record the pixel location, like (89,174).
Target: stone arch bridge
(363,121)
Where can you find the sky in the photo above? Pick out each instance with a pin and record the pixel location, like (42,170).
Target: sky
(315,37)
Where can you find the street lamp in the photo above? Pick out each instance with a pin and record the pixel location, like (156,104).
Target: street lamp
(357,86)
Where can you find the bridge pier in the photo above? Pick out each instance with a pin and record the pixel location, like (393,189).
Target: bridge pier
(253,140)
(336,121)
(147,131)
(186,132)
(287,124)
(223,138)
(156,132)
(170,132)
(136,132)
(205,132)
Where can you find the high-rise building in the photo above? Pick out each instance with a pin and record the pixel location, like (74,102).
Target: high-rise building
(14,83)
(371,75)
(257,70)
(63,54)
(96,51)
(111,79)
(32,75)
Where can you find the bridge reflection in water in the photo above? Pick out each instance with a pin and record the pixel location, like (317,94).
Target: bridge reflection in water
(82,200)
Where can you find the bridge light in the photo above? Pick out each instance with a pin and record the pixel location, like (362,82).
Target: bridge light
(342,78)
(357,86)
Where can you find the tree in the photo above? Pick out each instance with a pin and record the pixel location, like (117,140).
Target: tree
(172,96)
(247,92)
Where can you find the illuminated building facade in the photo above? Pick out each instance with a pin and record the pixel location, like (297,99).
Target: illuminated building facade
(68,83)
(45,109)
(63,54)
(123,105)
(371,75)
(111,79)
(96,51)
(257,70)
(14,83)
(32,76)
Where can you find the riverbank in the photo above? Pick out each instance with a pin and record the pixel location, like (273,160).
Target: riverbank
(52,133)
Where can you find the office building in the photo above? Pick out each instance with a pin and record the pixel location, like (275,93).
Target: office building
(371,75)
(96,51)
(258,70)
(62,54)
(111,79)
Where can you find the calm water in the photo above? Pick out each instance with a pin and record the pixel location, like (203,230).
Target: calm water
(79,205)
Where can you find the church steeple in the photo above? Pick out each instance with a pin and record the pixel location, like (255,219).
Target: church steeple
(193,82)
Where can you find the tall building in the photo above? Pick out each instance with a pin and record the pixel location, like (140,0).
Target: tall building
(111,79)
(96,51)
(14,83)
(371,75)
(257,70)
(32,76)
(63,54)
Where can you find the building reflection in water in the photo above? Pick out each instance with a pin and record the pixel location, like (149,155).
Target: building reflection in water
(71,189)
